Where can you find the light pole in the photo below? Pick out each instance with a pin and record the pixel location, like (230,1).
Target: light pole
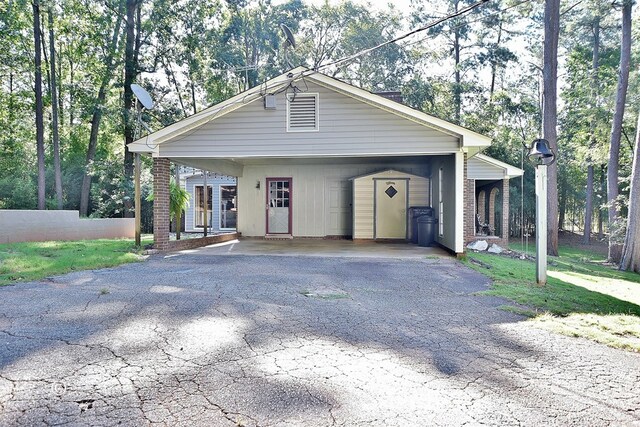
(541,154)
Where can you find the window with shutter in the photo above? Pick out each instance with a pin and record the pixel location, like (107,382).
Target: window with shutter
(302,112)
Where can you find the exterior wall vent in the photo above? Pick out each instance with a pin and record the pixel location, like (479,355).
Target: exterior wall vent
(302,112)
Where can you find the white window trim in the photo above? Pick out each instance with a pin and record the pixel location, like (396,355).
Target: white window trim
(195,208)
(220,206)
(317,97)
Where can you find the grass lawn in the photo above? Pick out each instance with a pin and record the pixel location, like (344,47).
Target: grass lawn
(36,260)
(584,297)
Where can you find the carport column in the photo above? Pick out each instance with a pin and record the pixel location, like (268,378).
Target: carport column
(161,171)
(460,186)
(505,213)
(469,206)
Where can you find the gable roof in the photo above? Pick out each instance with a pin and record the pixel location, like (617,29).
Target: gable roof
(508,170)
(149,144)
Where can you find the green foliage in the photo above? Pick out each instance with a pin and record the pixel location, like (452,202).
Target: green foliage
(37,260)
(583,296)
(481,70)
(178,200)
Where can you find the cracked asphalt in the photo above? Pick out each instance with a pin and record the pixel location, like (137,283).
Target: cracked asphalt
(206,339)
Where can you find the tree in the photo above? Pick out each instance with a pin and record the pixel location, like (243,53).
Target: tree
(55,135)
(588,208)
(630,259)
(550,115)
(98,110)
(132,51)
(37,43)
(616,134)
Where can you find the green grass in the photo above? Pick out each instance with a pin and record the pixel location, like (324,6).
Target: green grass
(583,297)
(36,260)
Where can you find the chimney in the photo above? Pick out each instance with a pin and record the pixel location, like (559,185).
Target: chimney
(395,95)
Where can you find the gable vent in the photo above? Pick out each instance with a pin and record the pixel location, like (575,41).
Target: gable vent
(302,112)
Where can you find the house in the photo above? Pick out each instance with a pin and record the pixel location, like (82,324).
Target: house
(317,157)
(221,201)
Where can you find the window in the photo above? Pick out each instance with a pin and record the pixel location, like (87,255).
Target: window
(228,207)
(302,112)
(440,204)
(199,206)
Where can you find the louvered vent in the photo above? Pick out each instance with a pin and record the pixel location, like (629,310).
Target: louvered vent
(303,112)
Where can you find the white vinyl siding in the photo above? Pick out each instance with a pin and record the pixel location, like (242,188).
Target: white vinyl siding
(302,112)
(479,169)
(316,212)
(363,199)
(349,128)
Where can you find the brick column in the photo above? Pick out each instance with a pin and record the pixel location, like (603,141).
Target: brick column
(492,207)
(505,213)
(161,171)
(469,210)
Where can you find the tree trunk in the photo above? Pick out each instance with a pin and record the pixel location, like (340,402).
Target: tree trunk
(562,205)
(54,112)
(631,249)
(37,43)
(130,73)
(494,65)
(97,116)
(550,115)
(457,90)
(588,207)
(615,248)
(603,195)
(595,65)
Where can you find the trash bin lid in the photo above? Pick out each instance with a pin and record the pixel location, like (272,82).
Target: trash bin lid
(427,219)
(416,211)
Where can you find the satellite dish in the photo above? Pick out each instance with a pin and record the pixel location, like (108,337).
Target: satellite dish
(143,96)
(291,41)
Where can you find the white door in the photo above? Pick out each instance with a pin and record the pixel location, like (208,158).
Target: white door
(391,208)
(338,202)
(279,206)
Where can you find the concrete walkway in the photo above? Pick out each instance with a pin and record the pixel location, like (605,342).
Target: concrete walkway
(322,248)
(202,339)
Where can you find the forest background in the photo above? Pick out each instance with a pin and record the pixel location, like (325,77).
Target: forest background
(67,113)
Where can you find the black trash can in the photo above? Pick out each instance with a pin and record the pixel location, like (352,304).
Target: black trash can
(414,213)
(426,230)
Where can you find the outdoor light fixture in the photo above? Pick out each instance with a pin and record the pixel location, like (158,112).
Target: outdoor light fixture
(542,156)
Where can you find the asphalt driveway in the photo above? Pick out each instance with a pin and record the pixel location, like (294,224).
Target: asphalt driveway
(208,339)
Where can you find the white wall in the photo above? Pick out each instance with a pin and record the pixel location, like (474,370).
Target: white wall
(447,163)
(346,127)
(40,226)
(312,207)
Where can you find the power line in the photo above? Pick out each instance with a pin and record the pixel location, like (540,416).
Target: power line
(404,36)
(471,22)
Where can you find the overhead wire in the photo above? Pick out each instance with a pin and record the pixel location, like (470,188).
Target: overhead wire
(283,86)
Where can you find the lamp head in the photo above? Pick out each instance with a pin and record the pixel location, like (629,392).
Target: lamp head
(540,152)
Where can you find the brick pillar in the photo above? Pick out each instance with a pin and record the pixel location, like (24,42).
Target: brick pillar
(482,206)
(469,211)
(469,206)
(505,213)
(492,207)
(161,171)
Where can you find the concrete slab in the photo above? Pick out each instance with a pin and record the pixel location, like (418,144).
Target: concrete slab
(323,248)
